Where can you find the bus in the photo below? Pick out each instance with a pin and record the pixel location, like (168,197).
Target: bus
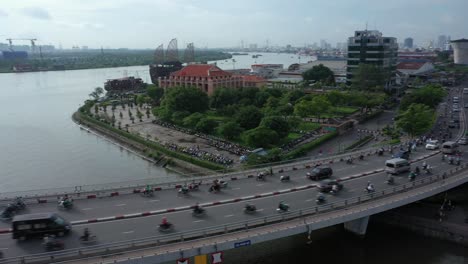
(465,90)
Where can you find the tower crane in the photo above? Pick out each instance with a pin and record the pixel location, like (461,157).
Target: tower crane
(33,43)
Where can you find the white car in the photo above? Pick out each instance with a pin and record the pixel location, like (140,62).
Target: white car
(432,144)
(462,141)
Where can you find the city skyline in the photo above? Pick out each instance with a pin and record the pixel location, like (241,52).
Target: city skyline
(143,24)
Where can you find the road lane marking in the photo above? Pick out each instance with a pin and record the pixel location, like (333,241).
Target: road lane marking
(309,200)
(128,232)
(86,209)
(259,210)
(236,188)
(231,215)
(120,204)
(261,184)
(153,201)
(198,221)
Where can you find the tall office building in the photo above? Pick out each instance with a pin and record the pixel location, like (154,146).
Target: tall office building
(442,40)
(370,47)
(408,43)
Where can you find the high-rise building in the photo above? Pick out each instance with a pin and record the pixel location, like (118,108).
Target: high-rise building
(371,47)
(460,51)
(408,43)
(442,40)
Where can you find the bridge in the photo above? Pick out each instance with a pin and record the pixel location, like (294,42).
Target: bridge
(126,222)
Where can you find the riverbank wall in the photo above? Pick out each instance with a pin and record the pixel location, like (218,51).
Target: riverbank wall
(177,166)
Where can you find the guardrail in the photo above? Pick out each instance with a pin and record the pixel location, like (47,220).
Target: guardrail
(112,189)
(112,249)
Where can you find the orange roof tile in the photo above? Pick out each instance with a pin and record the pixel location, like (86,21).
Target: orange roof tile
(200,70)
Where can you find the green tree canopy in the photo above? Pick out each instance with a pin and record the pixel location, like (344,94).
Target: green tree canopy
(430,95)
(320,105)
(155,93)
(369,78)
(417,119)
(192,120)
(303,108)
(188,99)
(278,124)
(230,130)
(261,137)
(98,91)
(206,125)
(319,73)
(249,117)
(223,97)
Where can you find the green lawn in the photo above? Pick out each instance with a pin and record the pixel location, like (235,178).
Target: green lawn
(292,136)
(308,126)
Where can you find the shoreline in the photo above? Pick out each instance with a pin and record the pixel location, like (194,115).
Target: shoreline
(175,165)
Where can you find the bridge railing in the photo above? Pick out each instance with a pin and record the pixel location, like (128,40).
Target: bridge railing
(128,187)
(112,249)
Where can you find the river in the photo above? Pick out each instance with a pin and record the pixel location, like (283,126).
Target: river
(42,148)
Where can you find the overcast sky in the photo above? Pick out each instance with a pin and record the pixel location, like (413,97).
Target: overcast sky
(224,23)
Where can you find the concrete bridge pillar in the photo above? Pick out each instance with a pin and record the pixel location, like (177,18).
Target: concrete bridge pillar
(358,226)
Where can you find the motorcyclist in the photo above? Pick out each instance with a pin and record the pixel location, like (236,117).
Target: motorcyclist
(370,187)
(148,189)
(165,223)
(416,170)
(335,188)
(361,157)
(424,165)
(184,189)
(412,176)
(320,197)
(86,234)
(283,206)
(390,179)
(197,209)
(250,207)
(66,201)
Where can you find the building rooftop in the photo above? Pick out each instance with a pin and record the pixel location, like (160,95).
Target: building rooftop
(200,70)
(410,65)
(459,40)
(253,78)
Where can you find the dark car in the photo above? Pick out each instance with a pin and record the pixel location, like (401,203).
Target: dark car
(402,155)
(320,173)
(327,185)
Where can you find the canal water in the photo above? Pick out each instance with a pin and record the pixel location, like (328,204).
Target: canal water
(42,148)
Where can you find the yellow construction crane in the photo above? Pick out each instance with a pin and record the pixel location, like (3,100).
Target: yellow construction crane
(33,43)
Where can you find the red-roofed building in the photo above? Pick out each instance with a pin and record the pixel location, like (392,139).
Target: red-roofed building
(415,68)
(253,81)
(207,77)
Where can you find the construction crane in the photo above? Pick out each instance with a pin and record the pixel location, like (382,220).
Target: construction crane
(33,43)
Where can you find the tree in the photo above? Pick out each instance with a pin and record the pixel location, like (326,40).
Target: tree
(276,123)
(140,100)
(319,73)
(249,117)
(155,93)
(369,78)
(206,125)
(223,96)
(430,95)
(303,108)
(98,91)
(230,130)
(417,119)
(320,105)
(192,120)
(261,137)
(188,99)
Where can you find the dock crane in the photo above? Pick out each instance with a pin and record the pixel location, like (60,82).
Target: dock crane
(33,43)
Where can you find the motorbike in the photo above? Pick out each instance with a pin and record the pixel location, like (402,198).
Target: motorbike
(194,186)
(284,178)
(320,199)
(335,189)
(166,228)
(250,208)
(147,193)
(349,161)
(54,245)
(198,211)
(412,176)
(260,177)
(380,152)
(89,240)
(390,181)
(370,189)
(361,157)
(183,190)
(7,213)
(65,204)
(282,208)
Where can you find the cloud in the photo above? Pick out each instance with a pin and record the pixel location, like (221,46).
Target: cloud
(36,12)
(3,13)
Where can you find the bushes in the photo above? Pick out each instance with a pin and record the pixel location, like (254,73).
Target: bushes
(302,150)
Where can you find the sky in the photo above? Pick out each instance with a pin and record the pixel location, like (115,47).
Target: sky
(223,23)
